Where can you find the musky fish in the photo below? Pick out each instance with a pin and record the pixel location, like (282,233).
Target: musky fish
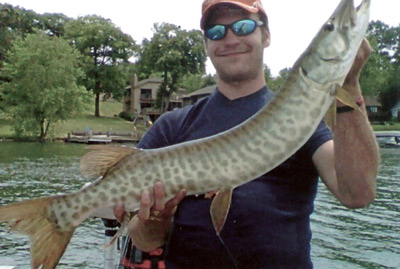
(220,162)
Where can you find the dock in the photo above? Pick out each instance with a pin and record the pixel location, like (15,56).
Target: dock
(101,138)
(388,138)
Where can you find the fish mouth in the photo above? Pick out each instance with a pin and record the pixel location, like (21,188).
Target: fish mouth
(345,20)
(331,60)
(346,13)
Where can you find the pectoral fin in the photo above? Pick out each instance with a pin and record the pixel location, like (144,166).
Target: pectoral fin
(346,98)
(220,208)
(330,116)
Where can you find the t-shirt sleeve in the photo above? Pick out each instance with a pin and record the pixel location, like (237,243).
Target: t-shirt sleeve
(165,130)
(321,135)
(159,134)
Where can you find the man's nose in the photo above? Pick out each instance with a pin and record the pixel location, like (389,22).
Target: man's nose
(230,37)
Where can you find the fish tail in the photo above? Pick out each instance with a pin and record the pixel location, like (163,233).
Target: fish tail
(47,241)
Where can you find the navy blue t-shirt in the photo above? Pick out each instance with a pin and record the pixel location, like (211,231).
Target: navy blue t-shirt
(268,223)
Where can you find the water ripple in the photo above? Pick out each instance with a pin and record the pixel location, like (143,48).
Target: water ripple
(362,238)
(342,238)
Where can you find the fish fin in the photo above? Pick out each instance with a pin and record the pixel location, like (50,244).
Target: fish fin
(47,241)
(99,159)
(346,98)
(219,209)
(330,116)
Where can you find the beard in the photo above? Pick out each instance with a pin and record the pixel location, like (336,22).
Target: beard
(248,73)
(236,77)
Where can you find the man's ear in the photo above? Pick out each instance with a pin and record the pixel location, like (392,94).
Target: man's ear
(266,37)
(205,43)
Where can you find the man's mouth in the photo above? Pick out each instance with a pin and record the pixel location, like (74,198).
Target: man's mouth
(231,53)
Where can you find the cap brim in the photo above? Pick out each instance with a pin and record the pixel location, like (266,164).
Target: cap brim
(248,8)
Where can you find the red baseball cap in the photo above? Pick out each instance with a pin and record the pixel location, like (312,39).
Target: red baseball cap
(252,6)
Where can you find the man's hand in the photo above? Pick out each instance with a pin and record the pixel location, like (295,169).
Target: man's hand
(149,228)
(351,82)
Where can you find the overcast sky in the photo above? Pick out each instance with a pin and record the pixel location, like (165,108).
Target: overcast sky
(293,23)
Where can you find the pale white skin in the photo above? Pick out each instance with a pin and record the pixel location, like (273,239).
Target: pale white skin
(347,165)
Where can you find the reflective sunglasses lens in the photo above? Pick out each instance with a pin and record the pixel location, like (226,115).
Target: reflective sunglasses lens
(216,32)
(244,27)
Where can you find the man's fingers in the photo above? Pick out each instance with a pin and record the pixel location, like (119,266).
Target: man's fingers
(119,212)
(145,205)
(159,196)
(171,204)
(153,206)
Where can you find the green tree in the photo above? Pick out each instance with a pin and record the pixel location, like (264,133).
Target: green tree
(105,48)
(390,95)
(380,75)
(174,53)
(194,82)
(16,23)
(42,88)
(275,83)
(53,24)
(376,72)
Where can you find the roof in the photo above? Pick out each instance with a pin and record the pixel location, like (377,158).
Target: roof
(371,101)
(145,81)
(149,80)
(203,91)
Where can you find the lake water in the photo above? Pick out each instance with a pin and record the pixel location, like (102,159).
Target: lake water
(342,238)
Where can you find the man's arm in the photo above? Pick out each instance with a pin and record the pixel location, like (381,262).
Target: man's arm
(348,165)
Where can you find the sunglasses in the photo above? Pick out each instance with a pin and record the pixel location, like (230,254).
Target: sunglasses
(239,28)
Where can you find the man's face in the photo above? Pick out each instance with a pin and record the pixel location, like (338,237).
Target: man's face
(237,58)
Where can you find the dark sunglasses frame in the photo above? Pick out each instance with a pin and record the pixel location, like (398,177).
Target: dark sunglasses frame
(214,37)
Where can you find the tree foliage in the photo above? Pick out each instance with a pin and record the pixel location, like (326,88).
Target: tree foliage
(43,73)
(380,76)
(193,82)
(16,23)
(275,83)
(173,53)
(105,48)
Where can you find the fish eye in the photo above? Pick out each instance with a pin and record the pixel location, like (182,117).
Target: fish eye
(329,26)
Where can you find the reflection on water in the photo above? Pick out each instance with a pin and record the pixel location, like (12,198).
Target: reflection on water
(342,238)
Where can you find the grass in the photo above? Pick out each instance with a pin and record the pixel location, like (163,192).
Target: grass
(386,126)
(5,127)
(109,121)
(102,124)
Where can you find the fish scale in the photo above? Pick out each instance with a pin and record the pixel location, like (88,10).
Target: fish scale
(220,162)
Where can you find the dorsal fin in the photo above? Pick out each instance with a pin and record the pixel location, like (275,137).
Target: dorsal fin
(99,159)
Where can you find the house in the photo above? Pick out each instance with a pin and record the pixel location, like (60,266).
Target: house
(140,98)
(374,109)
(395,110)
(192,98)
(372,105)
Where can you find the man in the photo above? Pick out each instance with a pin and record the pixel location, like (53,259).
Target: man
(268,223)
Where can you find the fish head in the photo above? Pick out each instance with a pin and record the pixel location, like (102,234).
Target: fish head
(332,52)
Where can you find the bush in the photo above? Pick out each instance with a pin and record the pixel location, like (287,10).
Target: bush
(129,116)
